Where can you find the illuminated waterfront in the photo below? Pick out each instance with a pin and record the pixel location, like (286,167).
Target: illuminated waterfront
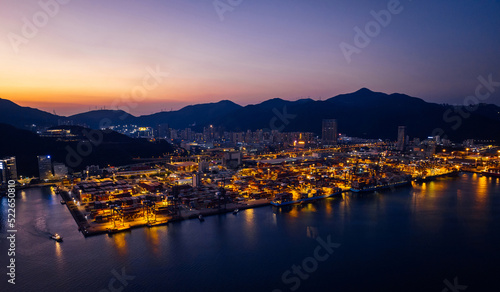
(409,239)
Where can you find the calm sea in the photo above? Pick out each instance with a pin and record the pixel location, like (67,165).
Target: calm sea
(432,237)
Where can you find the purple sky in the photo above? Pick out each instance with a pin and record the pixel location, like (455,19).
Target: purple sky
(97,53)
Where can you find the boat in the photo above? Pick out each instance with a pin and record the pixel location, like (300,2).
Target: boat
(63,202)
(434,177)
(492,172)
(157,223)
(235,211)
(285,199)
(56,237)
(200,217)
(380,187)
(118,229)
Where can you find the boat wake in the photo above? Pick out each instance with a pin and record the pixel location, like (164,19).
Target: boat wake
(39,228)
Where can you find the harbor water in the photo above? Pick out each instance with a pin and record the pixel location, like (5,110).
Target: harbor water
(429,237)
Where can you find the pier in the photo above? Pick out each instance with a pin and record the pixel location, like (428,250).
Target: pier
(80,220)
(93,228)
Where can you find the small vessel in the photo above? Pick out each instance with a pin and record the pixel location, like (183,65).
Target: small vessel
(112,230)
(118,229)
(492,172)
(236,211)
(434,177)
(375,188)
(200,217)
(285,199)
(63,202)
(56,237)
(157,223)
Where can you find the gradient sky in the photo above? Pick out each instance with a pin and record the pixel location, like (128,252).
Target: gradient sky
(91,53)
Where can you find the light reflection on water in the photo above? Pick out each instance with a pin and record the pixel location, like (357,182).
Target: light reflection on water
(153,240)
(59,253)
(23,195)
(119,241)
(450,223)
(329,210)
(250,227)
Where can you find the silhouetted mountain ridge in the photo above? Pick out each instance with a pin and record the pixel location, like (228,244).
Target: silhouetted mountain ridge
(22,117)
(363,113)
(191,116)
(107,147)
(101,118)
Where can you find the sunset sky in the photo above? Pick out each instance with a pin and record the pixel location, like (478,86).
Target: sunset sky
(89,54)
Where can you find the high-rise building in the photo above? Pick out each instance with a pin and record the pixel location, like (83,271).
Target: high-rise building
(196,180)
(329,132)
(232,159)
(45,167)
(203,166)
(209,133)
(162,131)
(8,169)
(60,170)
(401,138)
(174,134)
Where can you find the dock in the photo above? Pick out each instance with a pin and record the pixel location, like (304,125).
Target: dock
(80,220)
(434,177)
(92,229)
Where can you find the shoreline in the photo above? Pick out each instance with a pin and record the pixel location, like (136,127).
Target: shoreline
(93,229)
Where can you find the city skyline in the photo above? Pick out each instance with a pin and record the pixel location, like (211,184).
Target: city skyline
(226,145)
(252,52)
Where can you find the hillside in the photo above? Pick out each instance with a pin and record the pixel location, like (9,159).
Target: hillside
(115,149)
(363,113)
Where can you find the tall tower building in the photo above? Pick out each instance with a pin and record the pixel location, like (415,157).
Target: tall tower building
(45,166)
(162,131)
(401,138)
(60,170)
(329,132)
(8,169)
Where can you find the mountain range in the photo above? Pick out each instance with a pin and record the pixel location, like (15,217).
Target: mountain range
(363,113)
(108,148)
